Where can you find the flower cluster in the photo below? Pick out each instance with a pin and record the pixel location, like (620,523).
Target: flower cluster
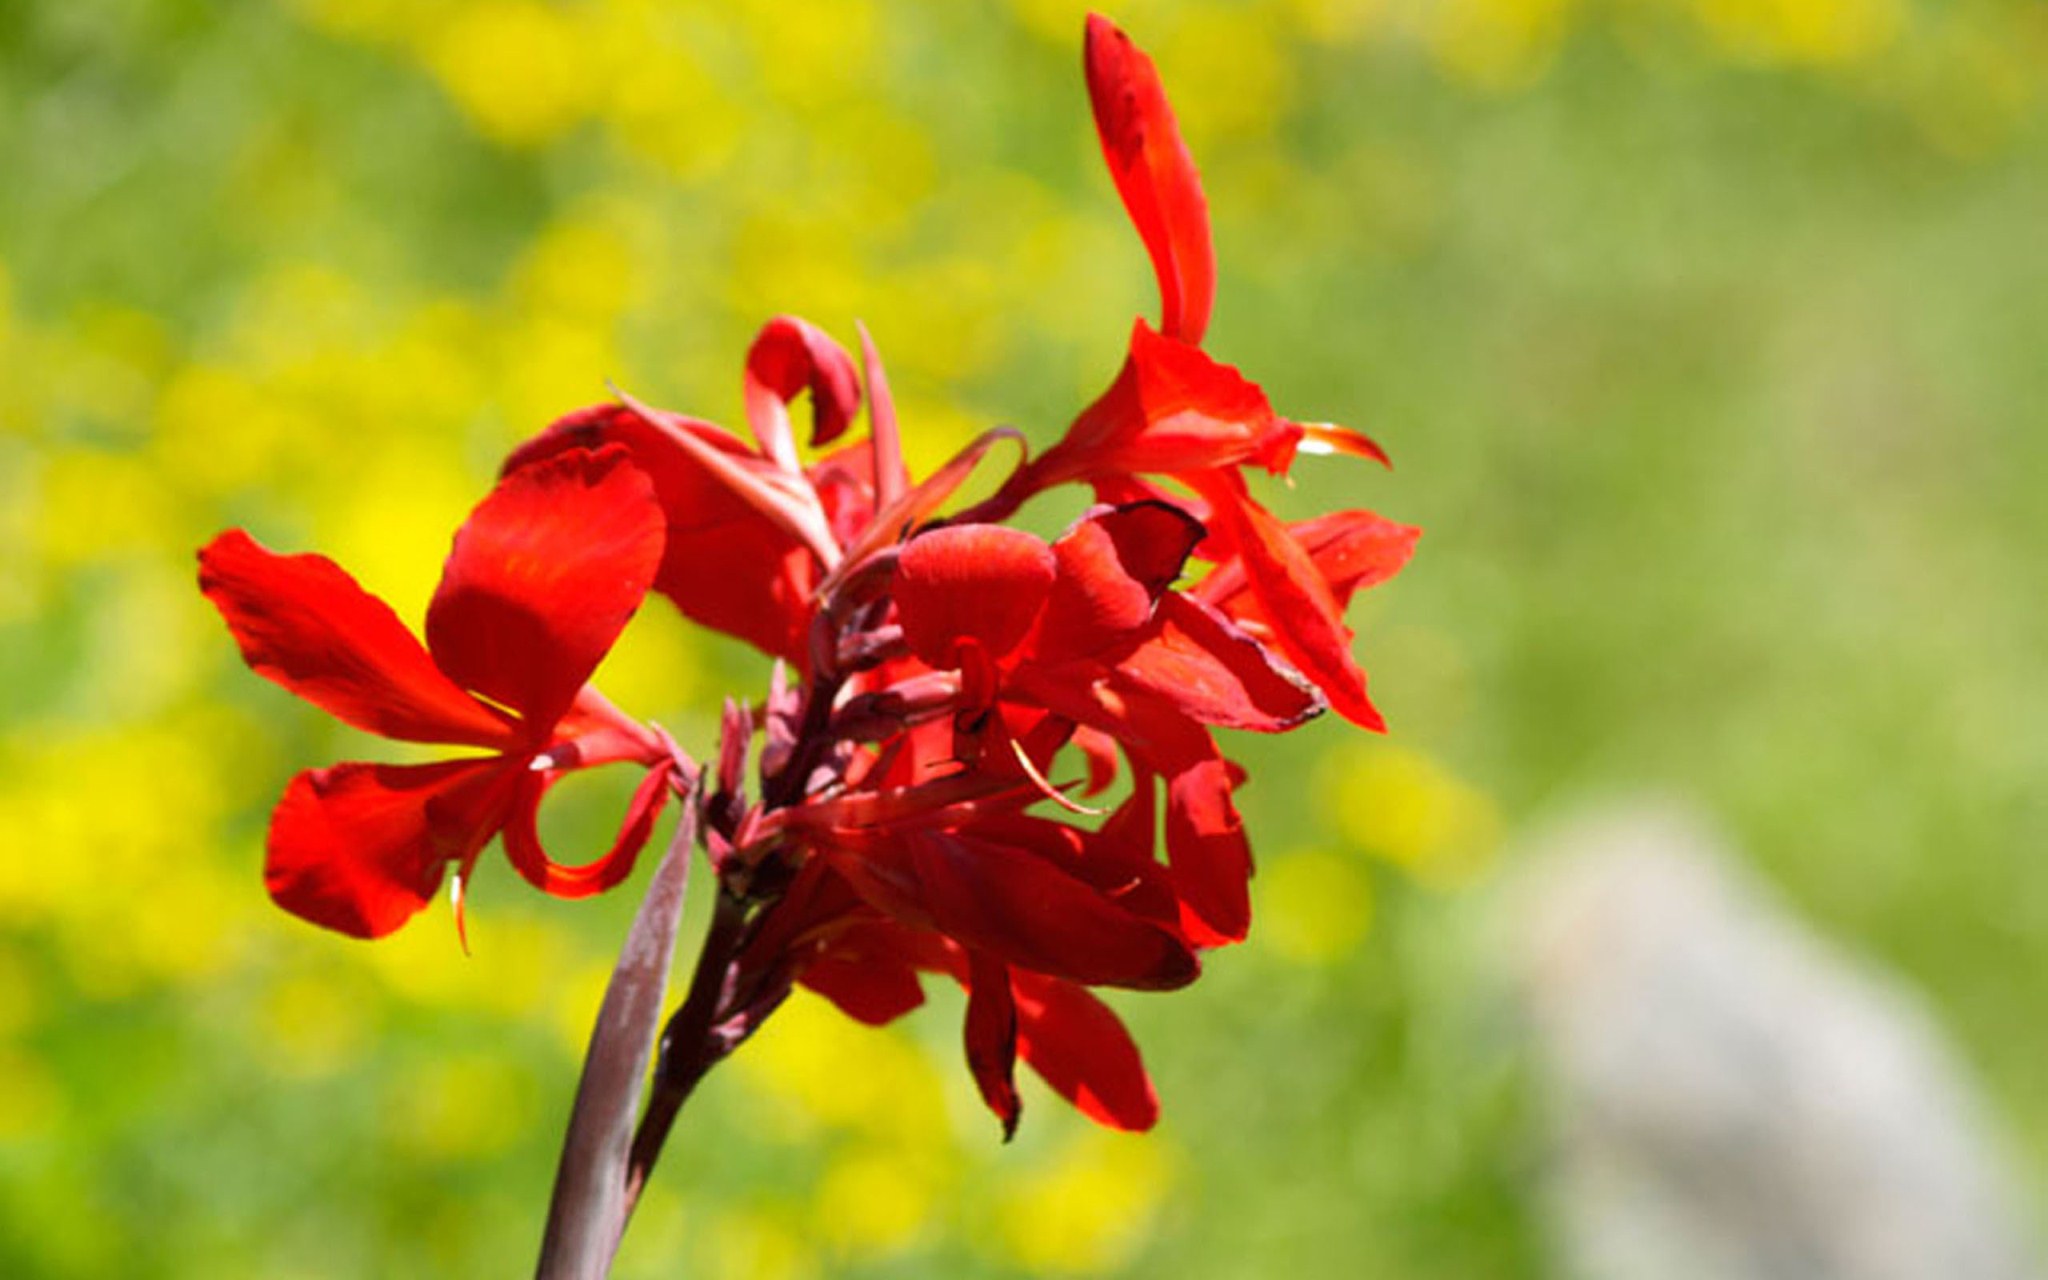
(890,808)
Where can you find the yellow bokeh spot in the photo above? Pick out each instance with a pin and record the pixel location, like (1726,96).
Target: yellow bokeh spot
(93,503)
(653,672)
(315,1023)
(1313,906)
(21,1002)
(1091,1209)
(817,1068)
(755,1245)
(217,431)
(1812,31)
(873,1204)
(585,264)
(1238,79)
(811,52)
(519,69)
(1339,21)
(459,1108)
(1400,805)
(1498,44)
(30,1101)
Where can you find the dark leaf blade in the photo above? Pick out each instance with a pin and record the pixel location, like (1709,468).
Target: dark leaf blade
(587,1212)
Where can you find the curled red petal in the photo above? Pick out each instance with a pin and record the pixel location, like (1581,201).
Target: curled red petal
(1328,437)
(303,622)
(1154,174)
(1080,1047)
(991,1036)
(979,582)
(1306,620)
(523,847)
(1112,567)
(543,577)
(1215,672)
(788,357)
(360,848)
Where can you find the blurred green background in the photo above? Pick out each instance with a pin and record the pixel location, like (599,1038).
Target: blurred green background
(1708,336)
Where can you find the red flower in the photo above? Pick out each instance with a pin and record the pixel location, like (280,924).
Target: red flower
(541,579)
(1173,411)
(729,504)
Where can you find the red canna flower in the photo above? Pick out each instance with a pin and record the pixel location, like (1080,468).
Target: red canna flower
(541,579)
(1173,411)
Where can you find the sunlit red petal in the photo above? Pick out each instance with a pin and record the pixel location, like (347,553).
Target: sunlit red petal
(790,356)
(1292,594)
(1080,1047)
(523,847)
(360,848)
(979,582)
(1328,437)
(991,1035)
(1352,550)
(1171,410)
(542,579)
(1154,175)
(711,527)
(304,623)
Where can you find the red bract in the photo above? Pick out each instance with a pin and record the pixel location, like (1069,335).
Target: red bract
(542,578)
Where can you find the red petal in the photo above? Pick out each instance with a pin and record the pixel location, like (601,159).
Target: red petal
(891,479)
(979,582)
(542,579)
(1211,860)
(1171,410)
(1154,175)
(791,356)
(304,623)
(360,848)
(1080,1047)
(1113,566)
(1328,437)
(1307,621)
(1216,673)
(523,847)
(1099,749)
(711,527)
(874,984)
(991,1035)
(1352,550)
(900,518)
(1014,903)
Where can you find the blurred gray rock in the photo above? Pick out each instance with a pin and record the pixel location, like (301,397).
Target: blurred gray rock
(1733,1098)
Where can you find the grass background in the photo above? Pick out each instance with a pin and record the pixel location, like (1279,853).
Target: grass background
(1707,336)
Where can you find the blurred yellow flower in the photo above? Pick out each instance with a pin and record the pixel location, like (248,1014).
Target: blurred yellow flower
(1313,906)
(1400,805)
(873,1203)
(1091,1208)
